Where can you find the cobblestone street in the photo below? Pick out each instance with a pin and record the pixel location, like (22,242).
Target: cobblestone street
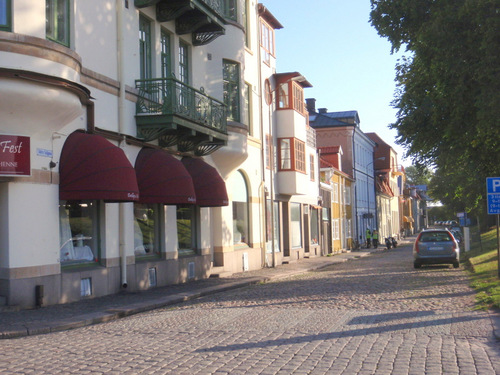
(373,315)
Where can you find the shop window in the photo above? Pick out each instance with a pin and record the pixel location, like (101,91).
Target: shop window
(314,226)
(145,48)
(186,230)
(5,15)
(78,230)
(146,229)
(295,224)
(240,210)
(57,23)
(231,78)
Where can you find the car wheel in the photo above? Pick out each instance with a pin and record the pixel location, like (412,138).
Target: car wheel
(416,265)
(456,264)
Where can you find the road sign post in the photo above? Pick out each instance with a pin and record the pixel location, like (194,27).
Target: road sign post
(493,195)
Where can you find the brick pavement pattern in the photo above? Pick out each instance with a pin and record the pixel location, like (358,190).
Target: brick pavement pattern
(375,315)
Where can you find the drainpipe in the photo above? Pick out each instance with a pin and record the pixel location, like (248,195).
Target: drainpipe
(121,118)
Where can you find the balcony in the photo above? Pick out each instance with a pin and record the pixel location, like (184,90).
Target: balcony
(203,18)
(176,114)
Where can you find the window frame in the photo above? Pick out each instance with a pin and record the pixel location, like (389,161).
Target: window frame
(53,18)
(157,225)
(268,151)
(267,41)
(312,167)
(231,79)
(7,11)
(145,48)
(93,240)
(184,62)
(166,54)
(192,249)
(297,155)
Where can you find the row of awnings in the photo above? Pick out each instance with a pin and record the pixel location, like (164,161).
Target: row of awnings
(92,168)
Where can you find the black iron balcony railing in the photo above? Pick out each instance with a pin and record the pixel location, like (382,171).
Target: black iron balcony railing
(176,114)
(169,96)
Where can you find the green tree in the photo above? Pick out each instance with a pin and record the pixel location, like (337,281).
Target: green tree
(448,90)
(418,175)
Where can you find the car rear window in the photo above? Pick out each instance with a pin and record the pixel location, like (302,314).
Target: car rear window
(435,237)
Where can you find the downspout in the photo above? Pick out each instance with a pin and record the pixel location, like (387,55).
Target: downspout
(121,118)
(355,187)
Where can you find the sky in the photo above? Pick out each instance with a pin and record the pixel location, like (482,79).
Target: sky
(350,67)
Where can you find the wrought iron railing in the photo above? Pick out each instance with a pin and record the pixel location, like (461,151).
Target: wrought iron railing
(169,96)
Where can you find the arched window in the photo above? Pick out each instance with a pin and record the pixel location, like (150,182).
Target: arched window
(240,209)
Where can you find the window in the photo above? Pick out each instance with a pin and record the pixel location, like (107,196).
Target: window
(57,21)
(335,192)
(347,194)
(146,229)
(286,145)
(291,96)
(295,224)
(240,210)
(145,48)
(267,41)
(270,228)
(186,229)
(231,77)
(78,224)
(268,151)
(314,226)
(246,22)
(165,56)
(5,15)
(349,228)
(248,107)
(183,63)
(230,10)
(336,229)
(300,156)
(311,166)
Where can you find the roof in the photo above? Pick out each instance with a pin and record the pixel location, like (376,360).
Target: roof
(293,76)
(268,17)
(334,119)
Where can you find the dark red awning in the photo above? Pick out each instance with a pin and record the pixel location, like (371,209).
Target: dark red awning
(163,179)
(93,168)
(209,186)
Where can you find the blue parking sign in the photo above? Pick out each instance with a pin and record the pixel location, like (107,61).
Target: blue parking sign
(493,194)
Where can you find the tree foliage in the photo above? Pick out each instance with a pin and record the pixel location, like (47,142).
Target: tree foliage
(448,90)
(418,175)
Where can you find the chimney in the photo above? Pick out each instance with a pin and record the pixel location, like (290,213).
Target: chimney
(322,110)
(311,105)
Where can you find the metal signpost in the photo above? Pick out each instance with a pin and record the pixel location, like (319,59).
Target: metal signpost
(493,193)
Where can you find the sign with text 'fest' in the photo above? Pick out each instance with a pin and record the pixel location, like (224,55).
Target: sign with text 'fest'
(15,155)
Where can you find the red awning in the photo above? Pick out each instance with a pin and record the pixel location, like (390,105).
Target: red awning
(209,186)
(93,168)
(163,179)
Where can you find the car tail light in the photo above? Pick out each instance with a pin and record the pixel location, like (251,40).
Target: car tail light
(416,244)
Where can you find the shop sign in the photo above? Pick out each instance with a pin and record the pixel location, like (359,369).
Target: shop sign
(15,155)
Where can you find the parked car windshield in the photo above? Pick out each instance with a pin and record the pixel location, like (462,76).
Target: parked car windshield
(435,237)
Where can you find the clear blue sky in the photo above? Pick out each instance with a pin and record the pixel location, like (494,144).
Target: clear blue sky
(332,44)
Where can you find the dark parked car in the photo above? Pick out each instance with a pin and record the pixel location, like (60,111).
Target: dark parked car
(436,246)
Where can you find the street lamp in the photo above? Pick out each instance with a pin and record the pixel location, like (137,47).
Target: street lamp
(368,189)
